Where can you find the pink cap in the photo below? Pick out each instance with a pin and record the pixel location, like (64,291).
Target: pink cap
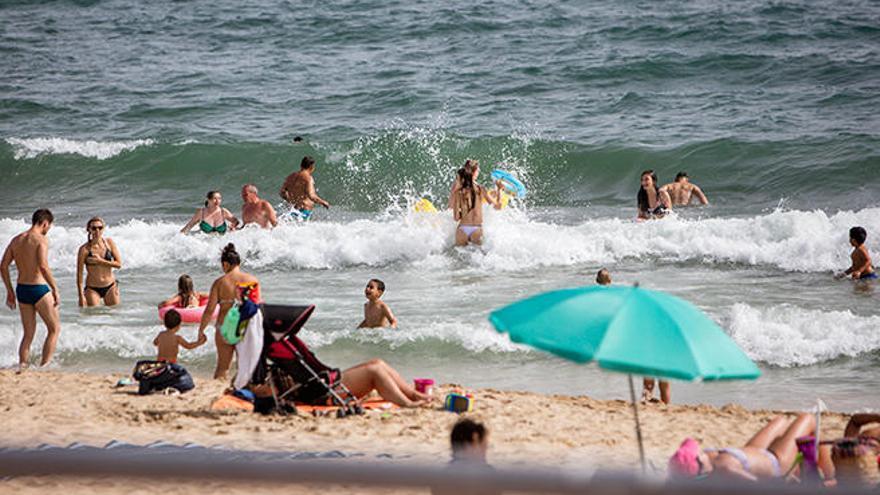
(683,462)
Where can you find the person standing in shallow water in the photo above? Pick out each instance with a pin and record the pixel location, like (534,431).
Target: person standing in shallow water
(682,192)
(652,202)
(35,289)
(256,210)
(99,256)
(299,190)
(213,218)
(233,286)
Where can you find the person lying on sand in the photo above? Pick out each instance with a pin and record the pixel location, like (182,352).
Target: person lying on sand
(767,455)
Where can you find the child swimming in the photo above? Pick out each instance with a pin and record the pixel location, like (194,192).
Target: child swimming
(861,268)
(169,342)
(377,314)
(186,296)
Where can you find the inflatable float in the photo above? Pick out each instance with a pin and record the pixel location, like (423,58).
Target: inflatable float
(511,184)
(189,315)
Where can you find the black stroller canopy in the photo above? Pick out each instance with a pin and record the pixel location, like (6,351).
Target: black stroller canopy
(285,320)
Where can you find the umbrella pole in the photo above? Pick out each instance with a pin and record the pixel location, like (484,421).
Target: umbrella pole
(632,395)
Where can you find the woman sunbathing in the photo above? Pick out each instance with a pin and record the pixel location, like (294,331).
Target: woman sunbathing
(378,375)
(766,456)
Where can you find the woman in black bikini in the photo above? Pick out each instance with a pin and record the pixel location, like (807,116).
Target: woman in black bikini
(653,202)
(99,256)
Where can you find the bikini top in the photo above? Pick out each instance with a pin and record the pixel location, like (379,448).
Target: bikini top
(108,253)
(208,228)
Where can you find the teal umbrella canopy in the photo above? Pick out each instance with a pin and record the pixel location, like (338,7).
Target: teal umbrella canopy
(627,329)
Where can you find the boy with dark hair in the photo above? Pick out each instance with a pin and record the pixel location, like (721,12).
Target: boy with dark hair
(603,277)
(376,313)
(169,343)
(861,268)
(29,251)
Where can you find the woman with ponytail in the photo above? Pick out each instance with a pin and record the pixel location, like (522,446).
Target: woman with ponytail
(233,286)
(467,204)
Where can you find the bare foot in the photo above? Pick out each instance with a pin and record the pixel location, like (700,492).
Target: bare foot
(647,396)
(22,367)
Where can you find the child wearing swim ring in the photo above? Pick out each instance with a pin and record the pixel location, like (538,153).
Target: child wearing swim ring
(186,296)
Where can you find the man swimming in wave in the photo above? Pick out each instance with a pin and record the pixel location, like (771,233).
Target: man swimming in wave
(683,192)
(299,190)
(256,210)
(35,288)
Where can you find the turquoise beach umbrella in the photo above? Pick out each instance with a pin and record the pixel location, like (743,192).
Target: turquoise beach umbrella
(629,330)
(626,329)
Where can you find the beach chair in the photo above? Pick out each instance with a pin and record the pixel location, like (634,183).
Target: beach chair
(292,371)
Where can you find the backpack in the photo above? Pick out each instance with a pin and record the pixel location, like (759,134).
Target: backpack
(159,375)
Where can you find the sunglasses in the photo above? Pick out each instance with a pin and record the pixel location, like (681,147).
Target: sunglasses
(96,227)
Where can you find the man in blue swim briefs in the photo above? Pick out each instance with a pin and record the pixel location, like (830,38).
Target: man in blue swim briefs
(299,190)
(35,290)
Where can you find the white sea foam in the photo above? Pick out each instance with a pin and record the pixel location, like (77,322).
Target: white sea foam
(788,335)
(102,150)
(479,337)
(787,240)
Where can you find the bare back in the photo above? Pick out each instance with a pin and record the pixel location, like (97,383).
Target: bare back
(468,208)
(226,288)
(167,342)
(297,190)
(682,193)
(28,250)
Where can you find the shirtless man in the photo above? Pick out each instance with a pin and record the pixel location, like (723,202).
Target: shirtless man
(299,190)
(683,192)
(256,210)
(29,251)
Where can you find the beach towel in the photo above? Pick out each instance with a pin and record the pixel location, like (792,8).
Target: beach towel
(249,350)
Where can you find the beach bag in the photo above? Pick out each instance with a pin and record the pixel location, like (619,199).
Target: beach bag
(153,376)
(235,323)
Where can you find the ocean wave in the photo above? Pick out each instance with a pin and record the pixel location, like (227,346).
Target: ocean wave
(797,241)
(788,335)
(28,148)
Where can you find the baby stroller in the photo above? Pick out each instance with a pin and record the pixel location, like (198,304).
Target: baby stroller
(292,371)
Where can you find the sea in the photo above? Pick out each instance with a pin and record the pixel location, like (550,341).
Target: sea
(132,111)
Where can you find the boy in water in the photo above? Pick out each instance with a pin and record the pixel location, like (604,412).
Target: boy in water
(603,277)
(861,268)
(169,342)
(35,290)
(377,314)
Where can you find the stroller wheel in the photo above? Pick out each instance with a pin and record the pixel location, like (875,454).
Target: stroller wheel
(357,409)
(341,413)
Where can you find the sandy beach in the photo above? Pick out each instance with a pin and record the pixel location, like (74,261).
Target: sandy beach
(527,429)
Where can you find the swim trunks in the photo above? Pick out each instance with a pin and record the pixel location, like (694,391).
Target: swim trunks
(301,215)
(30,293)
(868,276)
